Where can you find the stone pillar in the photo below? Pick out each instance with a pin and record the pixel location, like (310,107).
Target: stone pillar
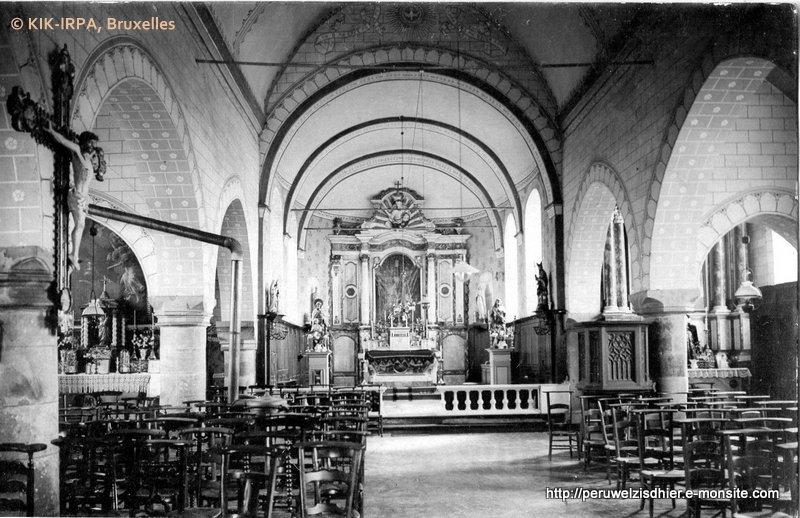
(718,279)
(666,311)
(430,285)
(183,352)
(668,337)
(620,264)
(247,361)
(29,366)
(366,286)
(260,361)
(742,242)
(720,324)
(610,279)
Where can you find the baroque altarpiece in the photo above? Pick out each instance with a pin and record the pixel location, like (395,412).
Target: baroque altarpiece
(398,302)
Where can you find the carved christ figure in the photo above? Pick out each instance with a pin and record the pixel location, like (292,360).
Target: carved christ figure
(86,158)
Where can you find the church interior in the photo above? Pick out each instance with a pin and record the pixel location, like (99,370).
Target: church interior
(277,259)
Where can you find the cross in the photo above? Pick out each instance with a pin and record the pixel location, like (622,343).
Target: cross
(53,131)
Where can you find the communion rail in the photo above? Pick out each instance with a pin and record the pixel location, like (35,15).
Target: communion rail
(474,401)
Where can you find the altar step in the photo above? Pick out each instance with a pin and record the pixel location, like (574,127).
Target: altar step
(466,424)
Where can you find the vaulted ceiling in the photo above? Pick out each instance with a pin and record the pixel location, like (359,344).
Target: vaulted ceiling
(551,34)
(469,133)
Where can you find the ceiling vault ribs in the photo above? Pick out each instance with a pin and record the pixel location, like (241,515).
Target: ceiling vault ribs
(509,185)
(413,66)
(301,223)
(553,181)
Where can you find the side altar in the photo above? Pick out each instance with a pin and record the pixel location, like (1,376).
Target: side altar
(398,301)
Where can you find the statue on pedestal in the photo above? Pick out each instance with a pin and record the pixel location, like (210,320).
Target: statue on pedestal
(318,338)
(497,325)
(541,289)
(273,296)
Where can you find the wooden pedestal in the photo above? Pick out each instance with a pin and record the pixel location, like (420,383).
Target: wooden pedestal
(315,369)
(499,371)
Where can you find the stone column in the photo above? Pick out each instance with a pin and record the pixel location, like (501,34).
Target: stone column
(610,279)
(668,337)
(430,285)
(718,276)
(260,361)
(720,332)
(742,242)
(620,264)
(183,351)
(666,310)
(366,286)
(29,366)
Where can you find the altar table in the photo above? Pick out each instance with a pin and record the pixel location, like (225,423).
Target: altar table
(88,383)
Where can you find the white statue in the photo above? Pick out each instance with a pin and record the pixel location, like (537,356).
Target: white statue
(318,338)
(273,296)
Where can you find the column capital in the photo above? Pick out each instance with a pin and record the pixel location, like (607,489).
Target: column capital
(655,302)
(180,311)
(25,276)
(363,256)
(430,256)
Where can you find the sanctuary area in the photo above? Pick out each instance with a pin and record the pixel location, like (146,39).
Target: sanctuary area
(284,259)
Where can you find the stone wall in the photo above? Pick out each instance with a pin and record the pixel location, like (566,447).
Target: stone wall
(631,118)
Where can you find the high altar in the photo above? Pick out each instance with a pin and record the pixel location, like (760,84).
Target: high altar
(398,307)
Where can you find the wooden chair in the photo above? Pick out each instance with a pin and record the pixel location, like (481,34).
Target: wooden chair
(560,429)
(656,455)
(704,469)
(329,478)
(201,463)
(17,478)
(626,444)
(592,437)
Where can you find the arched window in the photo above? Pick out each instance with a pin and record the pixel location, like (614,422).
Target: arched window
(784,259)
(533,247)
(510,255)
(292,310)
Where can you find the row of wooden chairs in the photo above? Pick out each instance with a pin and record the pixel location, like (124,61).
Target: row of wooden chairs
(205,456)
(663,441)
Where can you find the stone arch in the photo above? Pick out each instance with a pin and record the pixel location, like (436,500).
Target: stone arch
(716,53)
(111,63)
(414,157)
(234,224)
(582,218)
(726,147)
(456,29)
(761,205)
(491,157)
(540,126)
(138,239)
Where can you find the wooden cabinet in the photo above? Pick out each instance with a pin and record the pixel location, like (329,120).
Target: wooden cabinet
(612,355)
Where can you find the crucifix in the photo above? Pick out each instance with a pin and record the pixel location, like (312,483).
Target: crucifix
(71,194)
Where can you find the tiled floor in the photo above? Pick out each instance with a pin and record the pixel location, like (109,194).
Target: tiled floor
(486,475)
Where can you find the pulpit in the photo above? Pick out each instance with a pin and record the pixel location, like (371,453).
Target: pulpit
(315,369)
(498,370)
(613,355)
